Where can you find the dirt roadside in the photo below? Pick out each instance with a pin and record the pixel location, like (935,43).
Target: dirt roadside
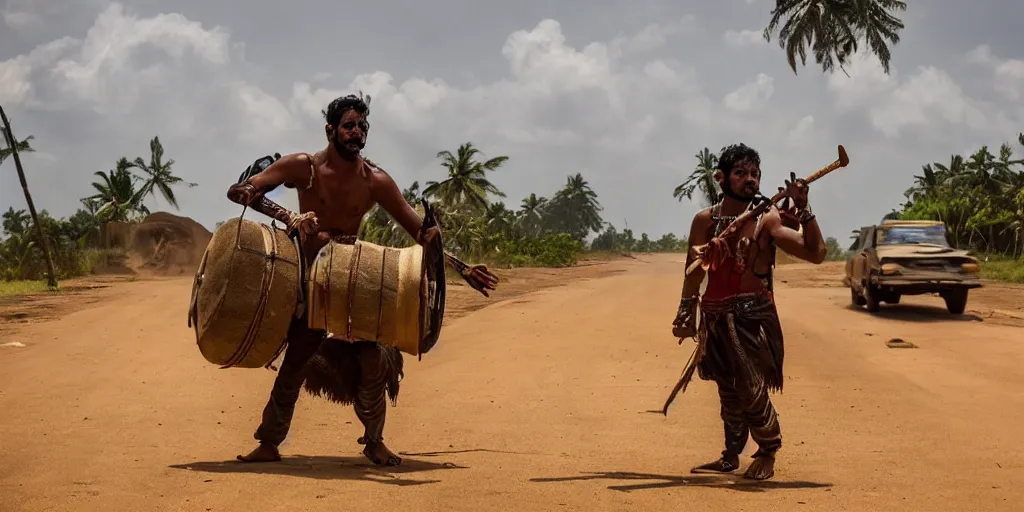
(540,402)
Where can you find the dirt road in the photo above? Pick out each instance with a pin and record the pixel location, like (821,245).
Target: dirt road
(539,402)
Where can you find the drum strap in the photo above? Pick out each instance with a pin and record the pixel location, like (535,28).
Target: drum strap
(312,171)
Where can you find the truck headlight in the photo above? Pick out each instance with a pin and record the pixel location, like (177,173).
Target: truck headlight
(890,269)
(970,268)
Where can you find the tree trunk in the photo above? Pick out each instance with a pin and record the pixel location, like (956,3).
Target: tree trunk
(51,277)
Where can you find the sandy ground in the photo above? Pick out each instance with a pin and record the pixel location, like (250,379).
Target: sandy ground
(540,401)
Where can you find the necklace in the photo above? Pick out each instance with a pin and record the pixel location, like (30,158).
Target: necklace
(721,221)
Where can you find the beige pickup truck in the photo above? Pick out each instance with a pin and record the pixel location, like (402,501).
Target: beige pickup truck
(899,257)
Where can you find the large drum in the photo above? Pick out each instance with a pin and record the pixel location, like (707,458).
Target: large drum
(245,294)
(365,291)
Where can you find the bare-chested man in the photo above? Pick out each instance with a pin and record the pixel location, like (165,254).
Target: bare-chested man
(739,326)
(336,188)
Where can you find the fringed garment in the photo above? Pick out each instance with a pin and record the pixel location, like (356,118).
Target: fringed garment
(339,370)
(740,338)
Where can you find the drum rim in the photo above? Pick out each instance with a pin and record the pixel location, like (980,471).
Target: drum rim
(429,339)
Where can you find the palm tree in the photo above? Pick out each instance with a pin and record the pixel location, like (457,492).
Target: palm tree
(15,222)
(116,195)
(23,147)
(982,171)
(499,218)
(380,228)
(16,250)
(1005,164)
(980,198)
(952,171)
(702,177)
(13,146)
(532,215)
(925,185)
(832,29)
(412,194)
(467,183)
(159,176)
(576,208)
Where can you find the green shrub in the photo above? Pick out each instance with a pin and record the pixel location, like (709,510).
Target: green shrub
(554,250)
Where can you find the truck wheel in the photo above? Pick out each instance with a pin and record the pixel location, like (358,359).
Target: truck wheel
(871,298)
(956,301)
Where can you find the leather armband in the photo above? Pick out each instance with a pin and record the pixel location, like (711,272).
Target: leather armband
(806,215)
(686,314)
(247,194)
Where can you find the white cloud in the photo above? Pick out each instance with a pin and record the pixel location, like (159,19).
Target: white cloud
(628,112)
(981,54)
(130,78)
(266,116)
(923,101)
(33,15)
(867,82)
(751,95)
(802,134)
(14,80)
(928,97)
(541,58)
(24,13)
(743,38)
(651,37)
(1008,74)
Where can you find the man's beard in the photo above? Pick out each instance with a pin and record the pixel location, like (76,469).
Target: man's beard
(342,148)
(727,190)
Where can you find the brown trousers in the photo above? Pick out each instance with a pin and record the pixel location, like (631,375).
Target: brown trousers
(370,367)
(744,356)
(748,410)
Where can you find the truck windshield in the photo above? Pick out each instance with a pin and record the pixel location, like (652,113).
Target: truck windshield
(934,235)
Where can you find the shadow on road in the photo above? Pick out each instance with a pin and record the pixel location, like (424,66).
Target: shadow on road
(327,468)
(916,313)
(669,481)
(470,450)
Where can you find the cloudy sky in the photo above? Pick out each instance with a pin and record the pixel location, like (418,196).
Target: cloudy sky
(624,92)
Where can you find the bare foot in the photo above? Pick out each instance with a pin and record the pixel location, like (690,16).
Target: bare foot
(762,468)
(262,453)
(726,464)
(379,454)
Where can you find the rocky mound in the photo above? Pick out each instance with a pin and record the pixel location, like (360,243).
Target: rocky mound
(168,244)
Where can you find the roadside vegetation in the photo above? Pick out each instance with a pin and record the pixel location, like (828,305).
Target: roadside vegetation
(546,230)
(980,198)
